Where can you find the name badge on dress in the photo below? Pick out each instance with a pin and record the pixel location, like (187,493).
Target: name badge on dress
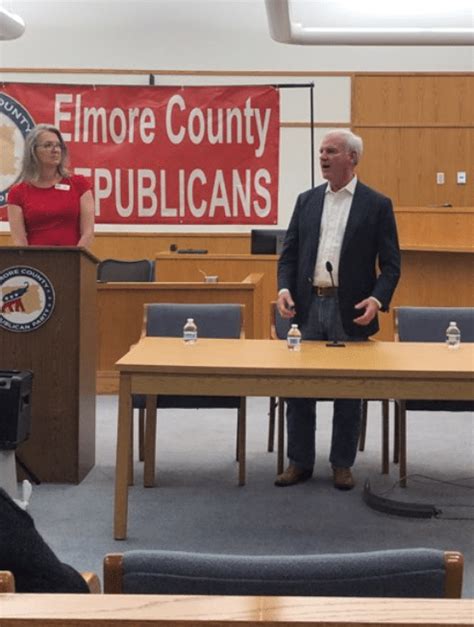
(63,187)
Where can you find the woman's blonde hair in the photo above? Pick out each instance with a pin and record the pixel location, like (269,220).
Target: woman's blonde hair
(30,167)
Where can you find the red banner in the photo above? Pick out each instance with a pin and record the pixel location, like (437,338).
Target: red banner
(157,155)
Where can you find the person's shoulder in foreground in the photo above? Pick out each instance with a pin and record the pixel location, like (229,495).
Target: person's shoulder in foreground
(23,551)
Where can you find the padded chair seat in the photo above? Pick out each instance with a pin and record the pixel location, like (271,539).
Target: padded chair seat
(395,573)
(189,402)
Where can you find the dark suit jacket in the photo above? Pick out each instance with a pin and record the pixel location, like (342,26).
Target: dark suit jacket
(23,551)
(370,238)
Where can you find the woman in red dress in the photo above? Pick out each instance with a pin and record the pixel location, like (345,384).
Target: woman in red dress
(50,206)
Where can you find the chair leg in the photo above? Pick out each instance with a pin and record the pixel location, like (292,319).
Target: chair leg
(281,435)
(242,424)
(271,424)
(396,434)
(385,435)
(403,444)
(237,439)
(141,434)
(363,425)
(130,454)
(150,442)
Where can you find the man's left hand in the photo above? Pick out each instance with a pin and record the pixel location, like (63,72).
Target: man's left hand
(371,308)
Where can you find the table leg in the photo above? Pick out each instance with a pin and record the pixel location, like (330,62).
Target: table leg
(122,458)
(150,442)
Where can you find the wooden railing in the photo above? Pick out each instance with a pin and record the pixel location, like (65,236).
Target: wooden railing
(99,610)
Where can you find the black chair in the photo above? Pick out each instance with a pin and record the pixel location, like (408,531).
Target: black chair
(413,573)
(266,241)
(115,270)
(213,321)
(427,324)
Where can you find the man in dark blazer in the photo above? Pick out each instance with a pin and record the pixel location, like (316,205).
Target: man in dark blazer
(339,265)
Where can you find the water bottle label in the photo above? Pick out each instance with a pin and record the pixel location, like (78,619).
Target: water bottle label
(453,339)
(294,341)
(189,336)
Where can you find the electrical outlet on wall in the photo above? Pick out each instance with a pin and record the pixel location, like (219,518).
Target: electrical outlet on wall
(461,178)
(440,178)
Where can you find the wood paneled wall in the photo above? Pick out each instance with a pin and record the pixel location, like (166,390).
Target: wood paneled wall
(436,228)
(414,126)
(413,100)
(147,245)
(131,245)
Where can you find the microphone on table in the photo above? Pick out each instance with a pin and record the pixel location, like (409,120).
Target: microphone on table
(335,343)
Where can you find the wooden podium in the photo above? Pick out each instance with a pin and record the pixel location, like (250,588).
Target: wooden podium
(61,352)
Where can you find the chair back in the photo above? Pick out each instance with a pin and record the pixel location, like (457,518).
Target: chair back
(212,320)
(279,326)
(429,324)
(114,270)
(422,573)
(266,241)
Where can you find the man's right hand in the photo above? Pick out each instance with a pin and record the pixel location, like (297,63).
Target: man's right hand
(286,305)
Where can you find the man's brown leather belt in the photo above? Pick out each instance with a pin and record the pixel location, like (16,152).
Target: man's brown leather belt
(325,291)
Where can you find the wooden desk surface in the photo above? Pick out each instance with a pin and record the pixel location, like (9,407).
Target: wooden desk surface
(98,610)
(166,255)
(368,369)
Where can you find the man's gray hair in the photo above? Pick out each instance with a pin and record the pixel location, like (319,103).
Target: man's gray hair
(352,141)
(30,169)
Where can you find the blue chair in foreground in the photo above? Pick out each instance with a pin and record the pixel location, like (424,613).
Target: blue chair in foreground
(115,270)
(413,573)
(213,321)
(427,324)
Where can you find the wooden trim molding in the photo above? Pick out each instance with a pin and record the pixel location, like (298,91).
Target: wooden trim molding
(162,72)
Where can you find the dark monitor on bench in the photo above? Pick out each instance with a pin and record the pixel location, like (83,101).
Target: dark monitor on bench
(267,241)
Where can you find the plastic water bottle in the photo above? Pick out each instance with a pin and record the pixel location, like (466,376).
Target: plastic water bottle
(453,335)
(293,339)
(190,332)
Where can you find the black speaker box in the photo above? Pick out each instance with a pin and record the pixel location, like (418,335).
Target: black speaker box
(15,407)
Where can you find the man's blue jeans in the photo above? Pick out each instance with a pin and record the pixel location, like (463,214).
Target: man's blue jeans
(324,323)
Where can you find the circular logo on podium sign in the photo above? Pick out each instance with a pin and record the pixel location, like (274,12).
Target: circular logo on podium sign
(15,123)
(26,299)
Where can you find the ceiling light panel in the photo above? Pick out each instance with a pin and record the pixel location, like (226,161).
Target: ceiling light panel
(366,22)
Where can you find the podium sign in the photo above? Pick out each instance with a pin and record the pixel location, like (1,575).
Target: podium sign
(48,325)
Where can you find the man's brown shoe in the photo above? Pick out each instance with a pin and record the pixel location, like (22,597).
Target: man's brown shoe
(342,478)
(293,475)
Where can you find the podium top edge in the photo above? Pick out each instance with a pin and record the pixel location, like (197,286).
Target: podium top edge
(62,249)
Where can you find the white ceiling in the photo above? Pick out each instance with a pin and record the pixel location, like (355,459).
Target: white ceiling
(190,35)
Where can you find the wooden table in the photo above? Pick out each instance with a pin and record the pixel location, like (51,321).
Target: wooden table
(125,610)
(371,370)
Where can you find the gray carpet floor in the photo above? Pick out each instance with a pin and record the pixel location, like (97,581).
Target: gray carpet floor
(197,505)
